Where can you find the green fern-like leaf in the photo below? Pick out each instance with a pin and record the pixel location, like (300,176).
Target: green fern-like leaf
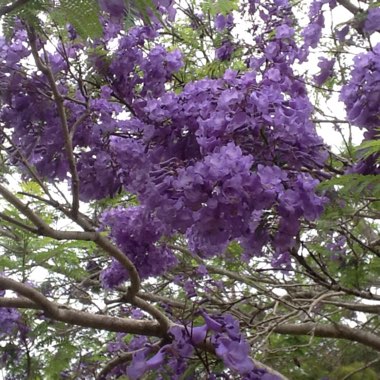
(28,12)
(368,148)
(83,15)
(354,184)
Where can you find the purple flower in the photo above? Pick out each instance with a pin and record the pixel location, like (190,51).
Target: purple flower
(327,70)
(113,275)
(372,22)
(234,354)
(190,289)
(140,364)
(136,233)
(222,22)
(284,31)
(224,52)
(342,33)
(71,32)
(115,8)
(10,321)
(198,334)
(274,75)
(312,34)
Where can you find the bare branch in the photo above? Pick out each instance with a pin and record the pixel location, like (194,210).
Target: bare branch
(36,300)
(5,9)
(372,362)
(336,331)
(19,303)
(59,100)
(17,223)
(349,6)
(42,227)
(30,293)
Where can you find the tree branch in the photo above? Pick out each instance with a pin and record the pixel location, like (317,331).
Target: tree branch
(336,331)
(36,300)
(59,101)
(5,9)
(42,227)
(349,6)
(45,230)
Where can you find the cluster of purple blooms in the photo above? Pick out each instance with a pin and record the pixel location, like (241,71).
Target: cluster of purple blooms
(338,248)
(142,246)
(223,160)
(224,335)
(12,332)
(361,96)
(10,321)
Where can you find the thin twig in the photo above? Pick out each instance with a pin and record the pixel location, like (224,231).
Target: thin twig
(59,101)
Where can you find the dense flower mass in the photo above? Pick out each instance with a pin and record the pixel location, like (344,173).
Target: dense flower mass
(361,96)
(372,22)
(224,334)
(211,162)
(224,165)
(137,233)
(10,321)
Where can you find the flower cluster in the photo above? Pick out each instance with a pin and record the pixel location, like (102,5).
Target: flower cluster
(137,233)
(372,22)
(222,160)
(361,96)
(224,335)
(10,321)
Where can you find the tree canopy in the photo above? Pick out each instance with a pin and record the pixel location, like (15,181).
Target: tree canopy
(169,208)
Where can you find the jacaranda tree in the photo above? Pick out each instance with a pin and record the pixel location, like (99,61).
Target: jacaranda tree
(168,207)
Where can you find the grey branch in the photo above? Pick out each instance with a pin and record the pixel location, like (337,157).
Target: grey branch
(336,331)
(5,9)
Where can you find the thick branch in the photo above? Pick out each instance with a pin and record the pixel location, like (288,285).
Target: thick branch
(105,322)
(5,9)
(349,6)
(101,241)
(42,227)
(336,331)
(18,303)
(32,294)
(57,312)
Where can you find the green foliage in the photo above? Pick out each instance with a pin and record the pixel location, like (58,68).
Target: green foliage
(28,12)
(219,6)
(369,148)
(83,15)
(348,372)
(59,360)
(355,185)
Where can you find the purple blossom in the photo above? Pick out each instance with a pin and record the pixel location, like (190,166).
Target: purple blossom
(284,31)
(361,96)
(312,34)
(136,233)
(222,22)
(372,22)
(224,52)
(115,8)
(10,321)
(342,33)
(204,163)
(234,354)
(327,67)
